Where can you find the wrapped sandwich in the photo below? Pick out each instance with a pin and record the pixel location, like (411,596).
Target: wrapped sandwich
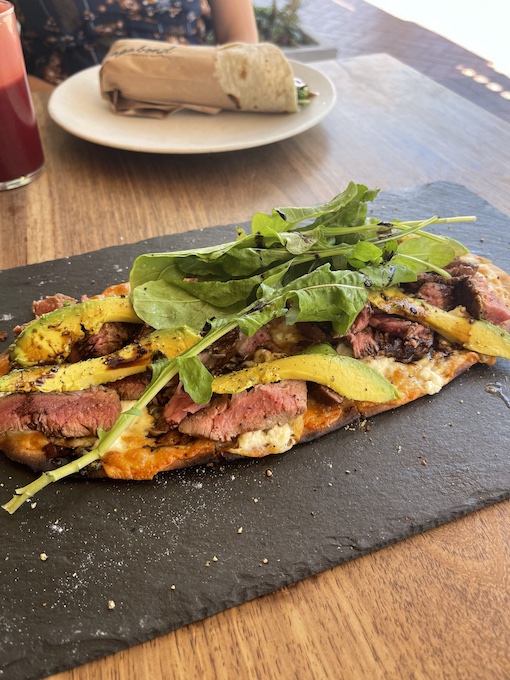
(150,78)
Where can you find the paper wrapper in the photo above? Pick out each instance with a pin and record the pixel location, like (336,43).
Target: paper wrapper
(153,79)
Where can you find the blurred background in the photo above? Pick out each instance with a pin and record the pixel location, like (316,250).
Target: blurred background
(463,46)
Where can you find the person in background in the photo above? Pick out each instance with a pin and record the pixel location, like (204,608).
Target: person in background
(61,37)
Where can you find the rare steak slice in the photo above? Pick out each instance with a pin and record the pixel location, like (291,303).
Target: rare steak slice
(438,294)
(111,337)
(259,408)
(363,344)
(179,406)
(131,387)
(219,354)
(360,336)
(52,302)
(377,333)
(460,268)
(400,338)
(60,414)
(480,301)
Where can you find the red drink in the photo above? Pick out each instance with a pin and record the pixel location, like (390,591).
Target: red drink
(20,145)
(21,155)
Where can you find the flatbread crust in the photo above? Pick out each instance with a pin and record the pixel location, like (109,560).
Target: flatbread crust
(137,456)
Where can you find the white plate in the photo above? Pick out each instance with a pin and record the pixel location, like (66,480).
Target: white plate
(76,105)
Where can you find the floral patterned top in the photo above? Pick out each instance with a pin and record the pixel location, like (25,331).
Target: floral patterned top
(61,37)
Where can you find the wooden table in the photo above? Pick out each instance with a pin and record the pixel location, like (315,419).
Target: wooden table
(434,606)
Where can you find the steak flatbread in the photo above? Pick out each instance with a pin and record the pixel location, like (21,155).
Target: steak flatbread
(193,362)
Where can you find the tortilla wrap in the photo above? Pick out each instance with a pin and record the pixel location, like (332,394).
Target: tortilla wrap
(153,79)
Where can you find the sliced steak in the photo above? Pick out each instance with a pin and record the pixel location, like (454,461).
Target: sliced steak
(360,336)
(361,321)
(363,344)
(131,387)
(392,325)
(112,336)
(324,394)
(261,339)
(60,414)
(400,338)
(460,267)
(438,294)
(425,277)
(259,408)
(480,301)
(179,406)
(312,332)
(221,352)
(52,302)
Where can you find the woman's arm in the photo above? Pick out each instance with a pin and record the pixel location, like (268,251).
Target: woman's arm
(234,21)
(39,85)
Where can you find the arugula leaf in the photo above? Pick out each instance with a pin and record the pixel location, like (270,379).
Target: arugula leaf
(262,249)
(162,304)
(261,222)
(362,253)
(389,274)
(173,265)
(422,254)
(347,208)
(222,293)
(248,260)
(322,295)
(459,248)
(196,379)
(296,243)
(327,295)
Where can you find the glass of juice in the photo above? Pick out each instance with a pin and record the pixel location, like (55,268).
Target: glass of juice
(21,154)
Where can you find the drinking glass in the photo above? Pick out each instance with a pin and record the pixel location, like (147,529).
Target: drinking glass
(21,154)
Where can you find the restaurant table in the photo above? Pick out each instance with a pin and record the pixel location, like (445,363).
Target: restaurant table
(424,607)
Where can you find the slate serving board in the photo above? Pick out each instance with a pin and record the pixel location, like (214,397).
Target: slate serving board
(130,542)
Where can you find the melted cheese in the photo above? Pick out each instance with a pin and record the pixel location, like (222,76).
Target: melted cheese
(425,376)
(277,439)
(284,337)
(135,435)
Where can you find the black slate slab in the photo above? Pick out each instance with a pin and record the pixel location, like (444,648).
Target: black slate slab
(130,542)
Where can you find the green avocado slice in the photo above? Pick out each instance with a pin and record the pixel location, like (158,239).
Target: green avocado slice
(50,338)
(130,360)
(346,376)
(479,336)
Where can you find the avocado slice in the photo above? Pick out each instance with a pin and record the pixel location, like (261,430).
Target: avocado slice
(131,359)
(479,336)
(50,338)
(349,377)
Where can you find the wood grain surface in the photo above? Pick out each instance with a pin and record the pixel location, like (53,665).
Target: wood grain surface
(434,606)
